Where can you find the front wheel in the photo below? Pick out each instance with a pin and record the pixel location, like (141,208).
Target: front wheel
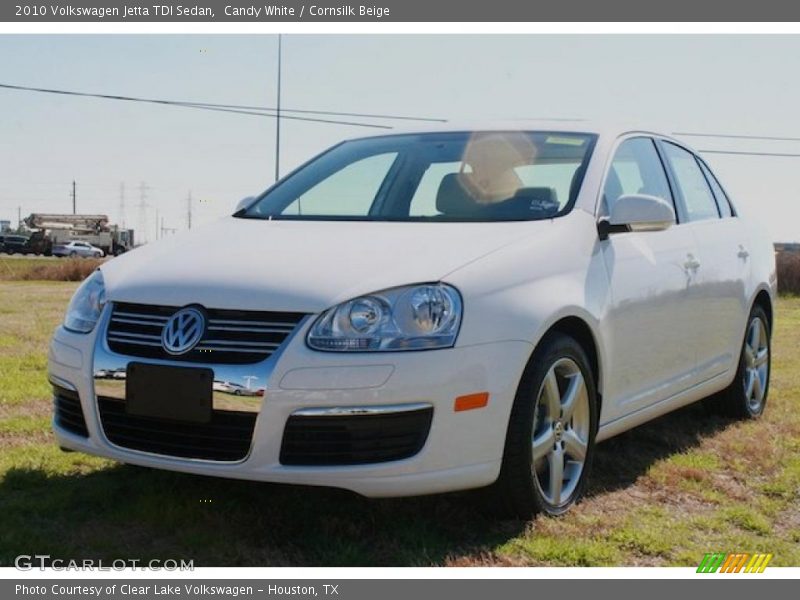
(746,397)
(550,438)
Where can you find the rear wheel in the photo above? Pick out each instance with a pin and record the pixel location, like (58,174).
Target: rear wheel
(746,397)
(550,438)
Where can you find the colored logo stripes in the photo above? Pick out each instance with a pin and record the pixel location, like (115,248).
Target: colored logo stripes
(734,563)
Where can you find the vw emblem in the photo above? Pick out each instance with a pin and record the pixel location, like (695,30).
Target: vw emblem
(183,330)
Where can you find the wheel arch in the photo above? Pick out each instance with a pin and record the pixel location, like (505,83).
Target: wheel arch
(764,300)
(580,330)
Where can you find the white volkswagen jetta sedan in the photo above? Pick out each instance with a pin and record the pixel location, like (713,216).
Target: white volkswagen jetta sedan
(430,311)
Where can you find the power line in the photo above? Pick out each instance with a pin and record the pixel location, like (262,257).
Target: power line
(334,113)
(195,105)
(236,108)
(740,137)
(743,153)
(280,113)
(266,114)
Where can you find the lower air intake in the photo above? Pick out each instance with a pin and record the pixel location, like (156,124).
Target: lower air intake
(68,411)
(354,439)
(226,437)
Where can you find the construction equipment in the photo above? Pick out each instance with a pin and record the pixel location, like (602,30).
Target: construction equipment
(53,229)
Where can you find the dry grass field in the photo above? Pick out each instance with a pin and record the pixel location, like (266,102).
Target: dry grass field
(47,269)
(663,494)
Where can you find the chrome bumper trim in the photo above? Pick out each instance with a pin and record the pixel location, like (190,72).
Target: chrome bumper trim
(63,383)
(349,411)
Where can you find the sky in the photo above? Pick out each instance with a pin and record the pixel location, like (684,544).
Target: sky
(702,83)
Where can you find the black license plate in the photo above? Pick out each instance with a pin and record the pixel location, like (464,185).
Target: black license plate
(165,392)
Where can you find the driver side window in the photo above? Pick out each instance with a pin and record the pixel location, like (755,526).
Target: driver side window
(636,169)
(348,192)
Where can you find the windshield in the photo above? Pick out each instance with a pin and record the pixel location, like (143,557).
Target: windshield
(482,176)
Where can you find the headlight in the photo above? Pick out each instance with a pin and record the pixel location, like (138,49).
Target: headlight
(418,317)
(86,305)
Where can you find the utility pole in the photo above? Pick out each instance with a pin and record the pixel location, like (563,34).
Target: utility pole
(143,208)
(19,219)
(278,117)
(122,204)
(189,210)
(73,197)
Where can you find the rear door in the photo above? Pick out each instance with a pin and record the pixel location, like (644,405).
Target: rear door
(719,297)
(648,328)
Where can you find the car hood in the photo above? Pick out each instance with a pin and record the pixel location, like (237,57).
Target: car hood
(304,266)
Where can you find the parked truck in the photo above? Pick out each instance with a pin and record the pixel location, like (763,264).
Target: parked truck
(50,230)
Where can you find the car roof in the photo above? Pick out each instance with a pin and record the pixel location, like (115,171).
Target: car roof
(601,128)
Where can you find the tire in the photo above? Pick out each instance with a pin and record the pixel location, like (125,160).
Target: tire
(73,254)
(524,486)
(746,396)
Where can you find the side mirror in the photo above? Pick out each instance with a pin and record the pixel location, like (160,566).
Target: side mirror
(244,203)
(638,212)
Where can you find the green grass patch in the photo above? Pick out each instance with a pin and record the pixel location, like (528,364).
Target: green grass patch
(21,425)
(564,551)
(747,518)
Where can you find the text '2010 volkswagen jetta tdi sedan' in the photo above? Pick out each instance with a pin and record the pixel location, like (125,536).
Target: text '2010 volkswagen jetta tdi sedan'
(422,312)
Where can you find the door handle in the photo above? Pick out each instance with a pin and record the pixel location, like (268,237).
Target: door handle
(743,253)
(691,264)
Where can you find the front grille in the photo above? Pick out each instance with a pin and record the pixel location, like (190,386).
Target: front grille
(231,336)
(68,411)
(355,439)
(226,437)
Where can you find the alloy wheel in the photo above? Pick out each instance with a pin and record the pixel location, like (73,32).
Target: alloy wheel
(756,357)
(561,429)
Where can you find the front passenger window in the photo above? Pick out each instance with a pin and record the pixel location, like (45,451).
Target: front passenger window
(636,169)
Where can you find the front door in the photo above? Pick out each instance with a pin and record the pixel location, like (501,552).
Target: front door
(648,327)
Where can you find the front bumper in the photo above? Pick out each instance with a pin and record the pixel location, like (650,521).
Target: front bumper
(463,449)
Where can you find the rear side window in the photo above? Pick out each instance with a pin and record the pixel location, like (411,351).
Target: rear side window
(636,169)
(723,203)
(698,200)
